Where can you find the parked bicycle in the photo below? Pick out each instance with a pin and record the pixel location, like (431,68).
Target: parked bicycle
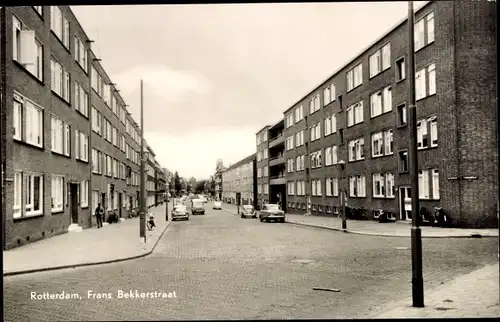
(383,216)
(441,219)
(151,222)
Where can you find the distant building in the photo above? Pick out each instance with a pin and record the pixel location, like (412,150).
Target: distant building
(239,181)
(219,169)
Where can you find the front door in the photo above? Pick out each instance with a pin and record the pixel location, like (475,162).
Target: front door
(120,204)
(74,202)
(405,202)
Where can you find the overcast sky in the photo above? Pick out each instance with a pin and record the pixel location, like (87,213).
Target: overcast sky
(216,74)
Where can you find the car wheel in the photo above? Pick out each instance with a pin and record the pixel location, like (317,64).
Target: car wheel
(242,216)
(261,219)
(187,218)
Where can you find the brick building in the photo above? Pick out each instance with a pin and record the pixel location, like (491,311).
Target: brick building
(239,181)
(262,165)
(69,140)
(359,116)
(219,169)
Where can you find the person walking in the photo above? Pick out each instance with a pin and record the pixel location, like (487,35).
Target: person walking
(99,213)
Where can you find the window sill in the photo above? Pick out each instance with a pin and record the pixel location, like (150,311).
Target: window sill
(79,112)
(81,67)
(350,90)
(84,207)
(61,154)
(26,217)
(379,73)
(352,161)
(30,144)
(422,98)
(61,98)
(428,148)
(424,46)
(383,197)
(38,13)
(60,41)
(83,161)
(404,172)
(402,126)
(357,197)
(383,113)
(40,81)
(400,80)
(57,211)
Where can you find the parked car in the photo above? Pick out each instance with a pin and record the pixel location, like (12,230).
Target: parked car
(197,207)
(271,212)
(217,205)
(180,212)
(248,211)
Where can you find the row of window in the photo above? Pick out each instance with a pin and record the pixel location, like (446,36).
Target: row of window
(263,188)
(262,155)
(263,172)
(261,138)
(29,194)
(28,51)
(379,61)
(383,186)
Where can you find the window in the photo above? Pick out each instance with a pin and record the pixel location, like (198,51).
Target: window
(81,54)
(403,161)
(122,142)
(423,184)
(316,159)
(425,88)
(291,188)
(57,193)
(435,184)
(27,50)
(329,94)
(96,120)
(266,171)
(264,136)
(355,114)
(300,188)
(316,187)
(266,189)
(109,165)
(356,149)
(424,31)
(81,146)
(95,201)
(60,81)
(115,136)
(423,128)
(81,100)
(39,9)
(391,189)
(259,172)
(402,114)
(331,155)
(97,82)
(290,165)
(123,113)
(400,69)
(265,154)
(115,168)
(357,186)
(380,60)
(383,185)
(18,193)
(332,187)
(382,143)
(315,132)
(299,113)
(354,77)
(314,104)
(108,131)
(341,136)
(299,163)
(84,193)
(381,102)
(33,195)
(59,25)
(289,143)
(289,120)
(95,161)
(330,125)
(259,156)
(61,137)
(299,138)
(32,115)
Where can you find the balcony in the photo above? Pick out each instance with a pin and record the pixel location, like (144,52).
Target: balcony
(276,160)
(277,140)
(276,180)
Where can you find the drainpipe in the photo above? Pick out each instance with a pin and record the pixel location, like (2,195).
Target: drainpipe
(3,108)
(89,147)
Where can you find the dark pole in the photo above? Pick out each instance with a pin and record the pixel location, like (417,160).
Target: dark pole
(416,233)
(166,204)
(142,225)
(3,110)
(343,195)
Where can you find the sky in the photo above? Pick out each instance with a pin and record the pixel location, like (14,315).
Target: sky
(216,74)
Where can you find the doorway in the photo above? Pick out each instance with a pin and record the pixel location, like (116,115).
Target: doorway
(120,204)
(405,202)
(74,202)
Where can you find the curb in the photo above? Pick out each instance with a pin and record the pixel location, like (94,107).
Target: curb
(45,269)
(384,234)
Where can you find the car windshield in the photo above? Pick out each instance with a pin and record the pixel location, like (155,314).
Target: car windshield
(248,208)
(272,207)
(180,208)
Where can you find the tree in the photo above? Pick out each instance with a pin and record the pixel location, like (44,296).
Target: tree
(177,182)
(200,186)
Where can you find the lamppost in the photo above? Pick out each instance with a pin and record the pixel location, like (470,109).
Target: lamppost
(142,216)
(342,194)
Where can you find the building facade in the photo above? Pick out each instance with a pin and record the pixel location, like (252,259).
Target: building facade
(239,181)
(358,116)
(219,169)
(69,141)
(262,165)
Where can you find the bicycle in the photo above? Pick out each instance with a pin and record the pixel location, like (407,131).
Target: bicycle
(150,224)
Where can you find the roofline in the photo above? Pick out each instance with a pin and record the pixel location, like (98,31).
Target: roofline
(242,161)
(397,25)
(262,129)
(277,123)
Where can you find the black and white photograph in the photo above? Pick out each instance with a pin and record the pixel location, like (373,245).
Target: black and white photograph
(249,161)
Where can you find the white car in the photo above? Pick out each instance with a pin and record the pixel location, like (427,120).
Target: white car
(217,205)
(180,212)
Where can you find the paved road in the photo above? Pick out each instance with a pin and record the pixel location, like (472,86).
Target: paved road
(224,267)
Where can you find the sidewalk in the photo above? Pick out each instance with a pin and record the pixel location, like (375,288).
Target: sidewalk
(374,228)
(112,243)
(473,295)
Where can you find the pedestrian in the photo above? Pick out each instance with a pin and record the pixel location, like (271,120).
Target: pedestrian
(99,213)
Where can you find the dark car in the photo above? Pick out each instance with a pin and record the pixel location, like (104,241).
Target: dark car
(248,211)
(271,212)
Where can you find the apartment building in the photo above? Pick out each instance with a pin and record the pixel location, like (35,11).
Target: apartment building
(69,141)
(239,182)
(263,165)
(219,169)
(161,183)
(351,132)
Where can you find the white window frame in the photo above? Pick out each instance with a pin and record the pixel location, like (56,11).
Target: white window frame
(31,194)
(57,193)
(329,94)
(427,129)
(357,186)
(315,132)
(423,185)
(289,143)
(435,184)
(380,60)
(291,188)
(425,82)
(356,149)
(61,80)
(24,42)
(81,54)
(314,104)
(354,77)
(289,120)
(18,194)
(390,185)
(60,136)
(299,113)
(60,28)
(378,178)
(355,114)
(31,130)
(424,31)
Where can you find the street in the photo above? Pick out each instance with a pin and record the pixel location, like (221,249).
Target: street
(223,267)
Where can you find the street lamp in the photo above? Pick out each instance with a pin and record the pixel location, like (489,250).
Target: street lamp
(342,194)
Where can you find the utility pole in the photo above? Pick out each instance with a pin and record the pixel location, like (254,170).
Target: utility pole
(416,233)
(142,221)
(3,109)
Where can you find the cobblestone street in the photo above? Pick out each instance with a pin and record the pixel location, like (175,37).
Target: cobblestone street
(224,267)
